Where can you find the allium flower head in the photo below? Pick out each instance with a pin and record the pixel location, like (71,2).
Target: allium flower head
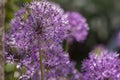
(78,28)
(38,29)
(56,65)
(43,18)
(59,65)
(104,66)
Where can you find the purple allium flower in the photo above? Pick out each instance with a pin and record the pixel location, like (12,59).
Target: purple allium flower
(43,18)
(78,28)
(118,39)
(56,65)
(104,66)
(59,65)
(47,21)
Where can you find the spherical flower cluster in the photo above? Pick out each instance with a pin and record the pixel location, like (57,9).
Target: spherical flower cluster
(43,18)
(56,65)
(77,28)
(59,65)
(38,29)
(104,66)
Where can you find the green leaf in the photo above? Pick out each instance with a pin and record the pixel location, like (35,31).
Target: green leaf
(10,67)
(25,16)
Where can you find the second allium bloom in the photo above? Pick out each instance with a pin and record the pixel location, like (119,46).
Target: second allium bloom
(105,66)
(78,28)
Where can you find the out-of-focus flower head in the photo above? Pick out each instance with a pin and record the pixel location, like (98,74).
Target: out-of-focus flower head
(77,28)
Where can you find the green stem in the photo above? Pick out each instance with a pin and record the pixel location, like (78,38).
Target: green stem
(67,46)
(41,57)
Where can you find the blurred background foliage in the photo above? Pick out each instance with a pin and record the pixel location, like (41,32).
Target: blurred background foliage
(103,17)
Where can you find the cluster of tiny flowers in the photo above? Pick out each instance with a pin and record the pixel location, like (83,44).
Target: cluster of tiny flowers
(41,18)
(118,39)
(77,28)
(43,22)
(58,64)
(103,66)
